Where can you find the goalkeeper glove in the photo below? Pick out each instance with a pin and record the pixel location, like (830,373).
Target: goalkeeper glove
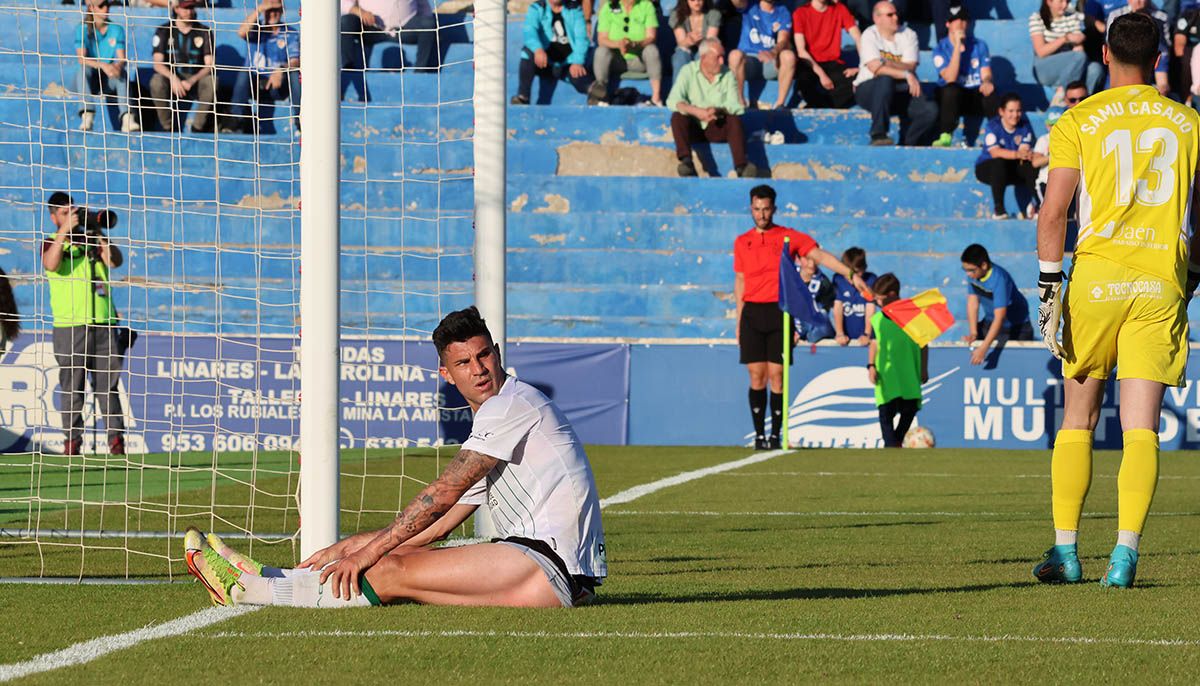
(1193,280)
(1050,309)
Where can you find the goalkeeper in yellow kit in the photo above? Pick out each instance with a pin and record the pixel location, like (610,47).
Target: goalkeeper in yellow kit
(1132,156)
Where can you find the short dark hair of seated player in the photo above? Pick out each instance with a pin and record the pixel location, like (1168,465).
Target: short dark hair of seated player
(976,254)
(458,327)
(1133,39)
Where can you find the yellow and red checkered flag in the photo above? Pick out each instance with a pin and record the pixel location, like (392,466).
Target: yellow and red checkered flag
(923,317)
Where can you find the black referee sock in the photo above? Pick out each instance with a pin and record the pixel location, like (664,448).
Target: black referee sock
(758,409)
(776,414)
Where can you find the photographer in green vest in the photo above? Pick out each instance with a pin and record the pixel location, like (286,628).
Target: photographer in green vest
(87,336)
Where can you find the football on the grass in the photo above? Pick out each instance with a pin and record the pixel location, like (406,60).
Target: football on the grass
(918,437)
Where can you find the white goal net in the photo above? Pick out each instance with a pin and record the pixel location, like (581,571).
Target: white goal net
(207,223)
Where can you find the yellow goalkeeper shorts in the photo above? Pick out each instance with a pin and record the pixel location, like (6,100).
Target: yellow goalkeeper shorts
(1120,317)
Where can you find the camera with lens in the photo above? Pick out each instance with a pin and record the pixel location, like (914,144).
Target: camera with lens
(92,225)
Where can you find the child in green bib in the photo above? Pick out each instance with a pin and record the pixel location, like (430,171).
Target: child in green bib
(896,365)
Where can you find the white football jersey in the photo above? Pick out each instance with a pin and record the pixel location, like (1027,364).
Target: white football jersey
(543,487)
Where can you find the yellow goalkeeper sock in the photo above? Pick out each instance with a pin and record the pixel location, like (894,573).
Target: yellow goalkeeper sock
(1137,479)
(1070,476)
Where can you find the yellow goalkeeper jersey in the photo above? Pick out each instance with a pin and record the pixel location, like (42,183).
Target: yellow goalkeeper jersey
(1136,152)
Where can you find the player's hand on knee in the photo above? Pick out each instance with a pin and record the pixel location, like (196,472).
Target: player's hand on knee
(1050,310)
(322,557)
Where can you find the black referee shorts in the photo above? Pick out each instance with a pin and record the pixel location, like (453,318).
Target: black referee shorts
(761,333)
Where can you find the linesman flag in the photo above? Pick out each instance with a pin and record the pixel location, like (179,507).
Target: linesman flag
(923,317)
(797,300)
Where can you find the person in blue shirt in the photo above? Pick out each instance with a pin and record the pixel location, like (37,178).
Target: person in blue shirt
(556,46)
(996,310)
(765,49)
(100,47)
(851,311)
(272,72)
(964,67)
(1007,156)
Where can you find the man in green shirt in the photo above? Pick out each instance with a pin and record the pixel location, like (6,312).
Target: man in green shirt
(85,337)
(704,105)
(625,35)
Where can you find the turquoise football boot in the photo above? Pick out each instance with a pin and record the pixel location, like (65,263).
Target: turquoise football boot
(1059,566)
(1122,568)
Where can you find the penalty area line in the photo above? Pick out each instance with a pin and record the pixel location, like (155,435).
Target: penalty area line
(87,651)
(733,635)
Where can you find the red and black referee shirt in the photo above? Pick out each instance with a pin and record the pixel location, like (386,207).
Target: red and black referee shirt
(756,257)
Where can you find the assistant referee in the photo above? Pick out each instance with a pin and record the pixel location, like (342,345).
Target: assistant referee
(760,324)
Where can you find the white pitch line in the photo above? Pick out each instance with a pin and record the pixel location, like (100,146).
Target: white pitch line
(682,478)
(87,651)
(850,638)
(948,475)
(866,513)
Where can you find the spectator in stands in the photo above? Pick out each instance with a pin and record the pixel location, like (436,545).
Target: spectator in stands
(704,106)
(10,318)
(887,80)
(183,69)
(625,35)
(77,260)
(1059,56)
(964,67)
(1187,35)
(556,45)
(692,21)
(1148,8)
(272,70)
(756,257)
(896,366)
(100,47)
(1095,22)
(996,310)
(765,49)
(1007,156)
(1076,93)
(821,76)
(851,309)
(367,22)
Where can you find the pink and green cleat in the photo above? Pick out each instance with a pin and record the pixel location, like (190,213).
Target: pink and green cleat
(242,562)
(219,577)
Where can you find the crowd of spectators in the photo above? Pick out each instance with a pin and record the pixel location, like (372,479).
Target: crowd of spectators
(838,53)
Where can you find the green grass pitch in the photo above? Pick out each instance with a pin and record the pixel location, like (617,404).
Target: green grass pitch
(819,565)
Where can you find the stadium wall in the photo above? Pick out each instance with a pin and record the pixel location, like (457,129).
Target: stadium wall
(201,393)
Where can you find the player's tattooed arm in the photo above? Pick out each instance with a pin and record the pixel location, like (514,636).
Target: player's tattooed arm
(464,471)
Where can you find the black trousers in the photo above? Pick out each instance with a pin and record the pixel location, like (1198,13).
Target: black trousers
(999,174)
(893,430)
(957,101)
(815,95)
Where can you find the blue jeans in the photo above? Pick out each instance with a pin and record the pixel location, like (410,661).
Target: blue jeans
(95,86)
(680,59)
(1059,69)
(883,96)
(254,86)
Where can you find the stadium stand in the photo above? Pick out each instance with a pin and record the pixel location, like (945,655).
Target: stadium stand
(588,256)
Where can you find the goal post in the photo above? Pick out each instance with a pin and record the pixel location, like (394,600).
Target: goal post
(320,282)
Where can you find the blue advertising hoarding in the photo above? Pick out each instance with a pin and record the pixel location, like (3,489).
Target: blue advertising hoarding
(696,395)
(199,393)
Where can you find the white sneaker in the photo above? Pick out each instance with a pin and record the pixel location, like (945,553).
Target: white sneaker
(86,121)
(129,124)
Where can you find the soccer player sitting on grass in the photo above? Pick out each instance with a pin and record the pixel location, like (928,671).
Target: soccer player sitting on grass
(896,365)
(1135,154)
(522,458)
